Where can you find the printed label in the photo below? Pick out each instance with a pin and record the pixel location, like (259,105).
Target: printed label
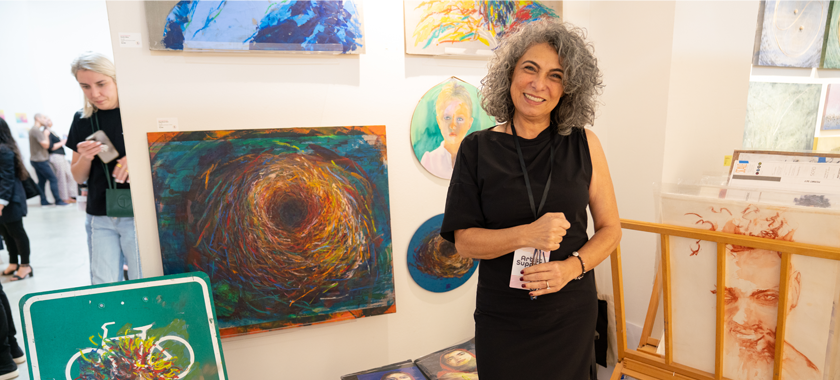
(523,258)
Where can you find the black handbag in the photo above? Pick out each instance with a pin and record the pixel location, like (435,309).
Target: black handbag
(117,201)
(30,188)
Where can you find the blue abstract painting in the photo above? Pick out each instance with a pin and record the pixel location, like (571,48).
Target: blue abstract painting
(433,262)
(291,26)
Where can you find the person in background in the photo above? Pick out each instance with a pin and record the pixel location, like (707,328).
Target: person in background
(67,188)
(110,239)
(13,207)
(39,156)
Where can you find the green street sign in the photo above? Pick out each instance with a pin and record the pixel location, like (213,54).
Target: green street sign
(157,328)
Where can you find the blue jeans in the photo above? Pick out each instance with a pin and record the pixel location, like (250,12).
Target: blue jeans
(45,173)
(112,242)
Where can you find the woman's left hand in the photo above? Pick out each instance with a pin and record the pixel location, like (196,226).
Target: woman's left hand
(121,171)
(1,209)
(550,277)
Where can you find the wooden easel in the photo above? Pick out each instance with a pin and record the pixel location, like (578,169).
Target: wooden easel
(646,365)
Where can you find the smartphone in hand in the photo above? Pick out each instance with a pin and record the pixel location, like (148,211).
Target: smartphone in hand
(108,152)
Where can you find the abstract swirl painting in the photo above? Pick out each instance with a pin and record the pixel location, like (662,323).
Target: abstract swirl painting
(433,262)
(468,27)
(290,26)
(291,225)
(790,33)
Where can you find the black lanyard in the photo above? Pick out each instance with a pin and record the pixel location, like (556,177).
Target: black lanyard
(525,171)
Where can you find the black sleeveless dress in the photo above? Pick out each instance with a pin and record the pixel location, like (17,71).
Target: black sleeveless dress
(553,336)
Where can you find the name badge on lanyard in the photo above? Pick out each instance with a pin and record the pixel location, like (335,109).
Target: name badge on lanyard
(526,257)
(523,258)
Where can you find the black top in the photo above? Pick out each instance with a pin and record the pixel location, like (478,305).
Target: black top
(11,189)
(488,190)
(111,124)
(55,139)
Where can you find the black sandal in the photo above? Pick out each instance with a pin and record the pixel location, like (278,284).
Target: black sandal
(12,272)
(30,274)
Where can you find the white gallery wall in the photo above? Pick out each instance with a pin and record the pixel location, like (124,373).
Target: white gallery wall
(38,40)
(676,73)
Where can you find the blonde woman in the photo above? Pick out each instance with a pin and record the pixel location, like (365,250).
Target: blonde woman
(111,240)
(453,112)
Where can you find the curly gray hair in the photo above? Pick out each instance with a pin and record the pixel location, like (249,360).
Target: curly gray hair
(582,81)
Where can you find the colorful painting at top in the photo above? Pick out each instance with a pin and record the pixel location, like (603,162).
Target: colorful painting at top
(2,115)
(469,27)
(444,116)
(21,118)
(831,110)
(781,116)
(292,225)
(312,26)
(456,362)
(399,371)
(790,33)
(433,262)
(160,328)
(752,288)
(831,48)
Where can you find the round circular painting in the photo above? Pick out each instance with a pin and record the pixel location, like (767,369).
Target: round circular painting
(433,262)
(444,116)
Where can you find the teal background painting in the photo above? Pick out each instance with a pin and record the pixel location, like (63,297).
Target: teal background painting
(425,134)
(73,321)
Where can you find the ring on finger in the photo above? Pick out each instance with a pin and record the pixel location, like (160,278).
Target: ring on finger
(547,286)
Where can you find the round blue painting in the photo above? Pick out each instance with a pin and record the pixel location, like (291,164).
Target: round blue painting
(433,262)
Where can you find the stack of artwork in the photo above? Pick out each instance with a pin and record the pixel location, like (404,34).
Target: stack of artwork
(286,26)
(444,116)
(473,28)
(457,362)
(752,288)
(434,263)
(292,225)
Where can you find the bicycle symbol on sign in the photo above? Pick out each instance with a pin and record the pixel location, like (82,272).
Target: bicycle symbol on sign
(156,353)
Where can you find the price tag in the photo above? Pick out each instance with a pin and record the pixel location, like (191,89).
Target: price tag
(166,124)
(130,40)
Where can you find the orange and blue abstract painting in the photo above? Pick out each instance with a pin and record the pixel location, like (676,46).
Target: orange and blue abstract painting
(291,225)
(473,27)
(293,26)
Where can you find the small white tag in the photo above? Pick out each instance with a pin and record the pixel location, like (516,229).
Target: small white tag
(130,40)
(167,124)
(451,50)
(485,52)
(522,259)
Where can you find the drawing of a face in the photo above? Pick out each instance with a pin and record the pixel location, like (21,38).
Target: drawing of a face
(398,376)
(752,301)
(455,121)
(459,360)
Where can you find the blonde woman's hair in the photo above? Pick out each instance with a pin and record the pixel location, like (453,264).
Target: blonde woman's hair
(97,63)
(453,91)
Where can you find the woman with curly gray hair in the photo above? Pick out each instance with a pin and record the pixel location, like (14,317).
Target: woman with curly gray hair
(518,200)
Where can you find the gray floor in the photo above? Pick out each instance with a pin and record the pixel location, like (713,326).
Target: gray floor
(59,257)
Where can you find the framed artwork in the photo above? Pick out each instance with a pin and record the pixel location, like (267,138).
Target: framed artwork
(453,363)
(292,225)
(446,114)
(752,287)
(790,33)
(831,109)
(433,261)
(398,371)
(471,28)
(20,118)
(157,328)
(330,27)
(781,116)
(2,115)
(831,49)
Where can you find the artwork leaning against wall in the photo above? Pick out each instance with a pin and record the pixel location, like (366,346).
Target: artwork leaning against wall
(291,225)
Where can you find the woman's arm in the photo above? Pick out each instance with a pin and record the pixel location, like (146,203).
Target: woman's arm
(604,211)
(7,175)
(481,243)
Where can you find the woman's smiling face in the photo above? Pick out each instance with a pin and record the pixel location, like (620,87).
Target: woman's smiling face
(537,83)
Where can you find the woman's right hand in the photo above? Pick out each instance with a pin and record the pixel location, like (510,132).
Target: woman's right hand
(548,231)
(89,149)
